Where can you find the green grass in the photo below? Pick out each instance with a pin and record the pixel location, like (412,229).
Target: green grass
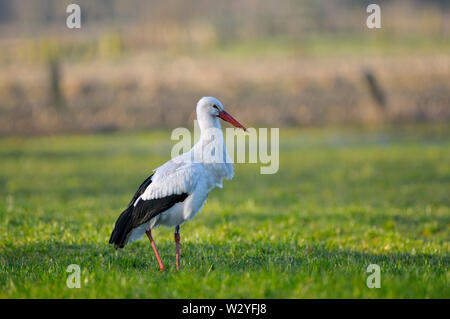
(342,199)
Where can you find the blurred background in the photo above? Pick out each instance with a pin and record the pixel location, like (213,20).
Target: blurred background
(86,114)
(142,64)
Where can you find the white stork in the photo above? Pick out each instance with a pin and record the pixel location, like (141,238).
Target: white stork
(177,190)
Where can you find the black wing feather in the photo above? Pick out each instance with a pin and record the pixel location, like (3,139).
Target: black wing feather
(144,210)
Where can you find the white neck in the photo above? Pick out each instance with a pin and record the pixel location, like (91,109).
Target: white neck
(211,148)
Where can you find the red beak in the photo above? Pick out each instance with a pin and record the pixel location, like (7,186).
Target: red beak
(228,118)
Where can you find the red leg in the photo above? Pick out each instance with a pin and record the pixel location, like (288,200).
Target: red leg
(177,245)
(149,235)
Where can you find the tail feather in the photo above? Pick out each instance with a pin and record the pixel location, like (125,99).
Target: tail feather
(120,233)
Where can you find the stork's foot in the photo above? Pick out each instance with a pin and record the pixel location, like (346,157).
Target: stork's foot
(152,242)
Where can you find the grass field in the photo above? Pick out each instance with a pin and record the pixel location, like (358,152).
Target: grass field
(342,199)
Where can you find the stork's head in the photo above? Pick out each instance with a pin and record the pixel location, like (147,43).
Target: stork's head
(210,108)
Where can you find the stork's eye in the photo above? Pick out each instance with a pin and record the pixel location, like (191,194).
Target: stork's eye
(216,107)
